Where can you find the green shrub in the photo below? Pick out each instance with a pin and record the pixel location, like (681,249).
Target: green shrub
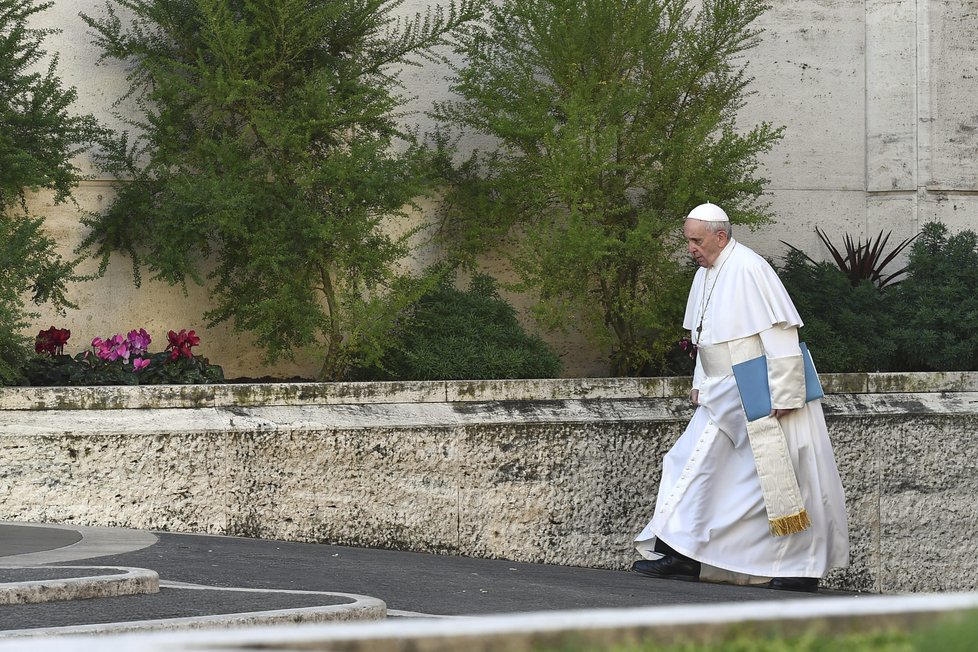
(678,359)
(267,139)
(953,633)
(38,138)
(453,335)
(612,119)
(29,266)
(847,327)
(927,322)
(935,308)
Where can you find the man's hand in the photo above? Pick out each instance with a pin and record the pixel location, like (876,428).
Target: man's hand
(694,397)
(777,414)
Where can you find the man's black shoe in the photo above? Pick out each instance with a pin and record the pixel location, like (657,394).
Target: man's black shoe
(805,584)
(669,567)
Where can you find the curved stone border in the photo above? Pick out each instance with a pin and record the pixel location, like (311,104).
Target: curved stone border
(360,608)
(128,581)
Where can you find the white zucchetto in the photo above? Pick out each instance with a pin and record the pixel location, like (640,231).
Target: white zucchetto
(708,213)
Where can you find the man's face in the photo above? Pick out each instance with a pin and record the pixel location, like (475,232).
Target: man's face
(703,244)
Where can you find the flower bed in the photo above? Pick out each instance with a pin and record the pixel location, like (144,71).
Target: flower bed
(119,360)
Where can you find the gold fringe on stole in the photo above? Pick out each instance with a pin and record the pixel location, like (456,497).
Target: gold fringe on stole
(782,496)
(785,525)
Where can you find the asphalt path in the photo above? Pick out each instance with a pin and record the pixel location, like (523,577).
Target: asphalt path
(24,539)
(247,575)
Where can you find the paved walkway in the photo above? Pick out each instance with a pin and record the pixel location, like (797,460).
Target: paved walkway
(225,581)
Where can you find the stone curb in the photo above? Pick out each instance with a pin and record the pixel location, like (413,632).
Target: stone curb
(113,581)
(361,608)
(461,391)
(129,581)
(333,393)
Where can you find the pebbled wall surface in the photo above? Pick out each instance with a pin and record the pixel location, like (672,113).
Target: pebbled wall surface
(561,471)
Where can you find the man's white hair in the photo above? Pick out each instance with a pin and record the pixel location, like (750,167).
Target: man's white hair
(716,227)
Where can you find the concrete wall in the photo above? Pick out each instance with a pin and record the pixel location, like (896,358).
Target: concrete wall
(555,471)
(882,125)
(882,133)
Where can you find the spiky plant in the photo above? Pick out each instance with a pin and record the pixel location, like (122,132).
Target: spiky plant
(863,261)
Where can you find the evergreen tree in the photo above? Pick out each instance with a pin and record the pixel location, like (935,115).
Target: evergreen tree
(613,119)
(268,143)
(38,139)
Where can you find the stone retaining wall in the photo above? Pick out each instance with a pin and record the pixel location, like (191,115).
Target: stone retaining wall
(554,471)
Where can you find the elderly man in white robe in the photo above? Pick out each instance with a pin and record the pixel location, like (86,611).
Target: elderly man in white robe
(745,502)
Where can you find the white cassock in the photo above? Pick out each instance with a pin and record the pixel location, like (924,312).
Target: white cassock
(710,506)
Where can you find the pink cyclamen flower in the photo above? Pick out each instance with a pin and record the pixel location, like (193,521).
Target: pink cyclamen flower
(102,348)
(111,349)
(139,341)
(140,363)
(122,351)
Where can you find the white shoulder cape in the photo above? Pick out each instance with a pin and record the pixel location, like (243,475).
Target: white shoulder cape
(747,299)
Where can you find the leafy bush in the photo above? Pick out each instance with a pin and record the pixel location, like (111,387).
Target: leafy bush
(30,267)
(847,327)
(38,138)
(679,360)
(453,335)
(950,632)
(269,141)
(119,360)
(935,307)
(927,322)
(612,119)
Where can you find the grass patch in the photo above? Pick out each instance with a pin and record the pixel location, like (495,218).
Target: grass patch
(953,635)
